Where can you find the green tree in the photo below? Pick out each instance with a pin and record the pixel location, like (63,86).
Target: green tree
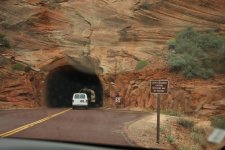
(195,54)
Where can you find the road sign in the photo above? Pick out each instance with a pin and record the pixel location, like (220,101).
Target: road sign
(118,99)
(217,136)
(159,86)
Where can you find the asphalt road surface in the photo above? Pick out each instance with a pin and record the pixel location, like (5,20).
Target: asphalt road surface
(91,126)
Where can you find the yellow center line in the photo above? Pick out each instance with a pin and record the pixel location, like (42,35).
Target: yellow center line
(11,132)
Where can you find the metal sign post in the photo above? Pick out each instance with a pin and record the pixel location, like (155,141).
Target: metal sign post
(158,117)
(159,87)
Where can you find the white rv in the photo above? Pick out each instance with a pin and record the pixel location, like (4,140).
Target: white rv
(80,100)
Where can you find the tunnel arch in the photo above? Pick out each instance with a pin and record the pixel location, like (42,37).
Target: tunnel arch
(63,81)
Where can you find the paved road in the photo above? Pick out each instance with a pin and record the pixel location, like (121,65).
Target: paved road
(92,125)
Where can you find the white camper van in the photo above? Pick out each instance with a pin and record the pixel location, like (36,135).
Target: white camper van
(80,100)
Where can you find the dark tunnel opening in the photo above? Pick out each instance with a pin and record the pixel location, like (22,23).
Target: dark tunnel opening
(64,81)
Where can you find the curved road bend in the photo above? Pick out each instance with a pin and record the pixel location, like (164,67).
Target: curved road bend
(92,125)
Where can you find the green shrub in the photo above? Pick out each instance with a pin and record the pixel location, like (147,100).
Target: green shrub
(218,121)
(141,64)
(170,138)
(171,113)
(145,5)
(174,113)
(199,139)
(172,43)
(209,41)
(199,130)
(124,34)
(195,54)
(185,123)
(4,43)
(162,129)
(27,68)
(4,61)
(18,67)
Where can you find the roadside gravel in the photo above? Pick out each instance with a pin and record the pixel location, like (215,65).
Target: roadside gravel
(172,135)
(143,132)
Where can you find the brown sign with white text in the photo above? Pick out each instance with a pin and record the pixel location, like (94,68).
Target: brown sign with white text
(159,86)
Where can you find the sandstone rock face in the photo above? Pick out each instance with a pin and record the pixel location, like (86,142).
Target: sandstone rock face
(200,97)
(19,89)
(113,36)
(118,33)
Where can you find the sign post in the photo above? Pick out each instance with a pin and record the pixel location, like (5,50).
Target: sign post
(158,117)
(159,87)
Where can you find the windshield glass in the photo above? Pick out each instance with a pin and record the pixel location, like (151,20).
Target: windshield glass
(142,73)
(77,96)
(82,96)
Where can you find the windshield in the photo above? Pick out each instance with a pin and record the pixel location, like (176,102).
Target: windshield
(144,73)
(76,96)
(82,96)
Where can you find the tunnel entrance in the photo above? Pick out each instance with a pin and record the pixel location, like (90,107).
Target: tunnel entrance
(64,81)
